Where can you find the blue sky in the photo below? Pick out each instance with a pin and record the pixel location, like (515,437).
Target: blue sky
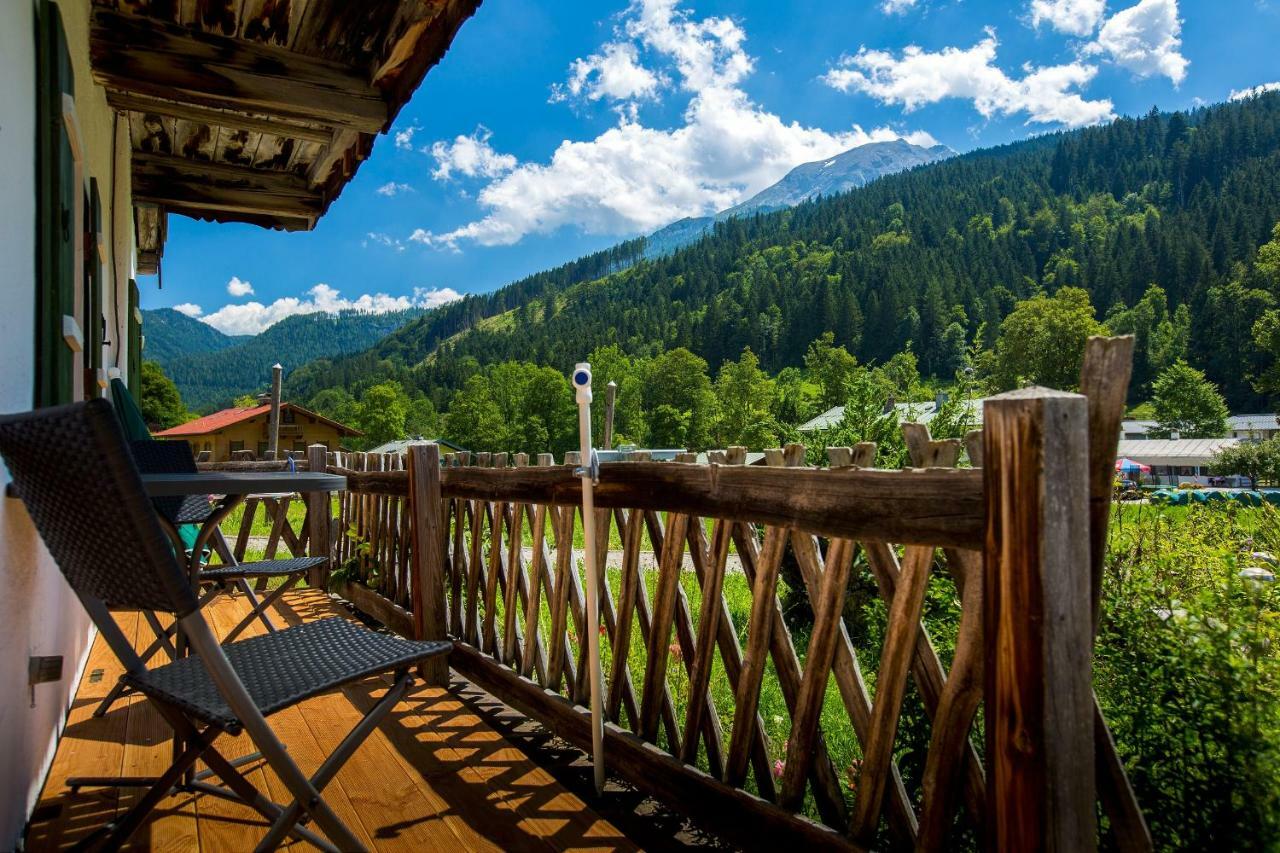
(552,129)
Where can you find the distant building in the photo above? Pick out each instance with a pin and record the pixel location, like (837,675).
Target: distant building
(402,445)
(1253,427)
(1135,430)
(1184,460)
(231,430)
(920,413)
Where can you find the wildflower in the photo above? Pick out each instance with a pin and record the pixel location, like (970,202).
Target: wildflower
(602,631)
(674,649)
(852,772)
(778,766)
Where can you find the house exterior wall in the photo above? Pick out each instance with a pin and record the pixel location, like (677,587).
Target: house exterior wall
(38,613)
(251,433)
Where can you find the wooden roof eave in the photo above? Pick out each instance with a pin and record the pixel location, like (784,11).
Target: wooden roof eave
(299,103)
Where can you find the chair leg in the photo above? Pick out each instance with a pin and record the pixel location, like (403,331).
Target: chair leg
(336,759)
(258,608)
(114,834)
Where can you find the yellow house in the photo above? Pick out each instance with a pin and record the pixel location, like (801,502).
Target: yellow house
(231,430)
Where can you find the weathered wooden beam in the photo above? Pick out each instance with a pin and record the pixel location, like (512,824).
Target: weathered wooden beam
(144,56)
(942,507)
(1037,625)
(429,558)
(133,102)
(178,183)
(318,513)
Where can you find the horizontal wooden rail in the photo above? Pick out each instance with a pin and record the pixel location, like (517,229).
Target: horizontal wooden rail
(930,506)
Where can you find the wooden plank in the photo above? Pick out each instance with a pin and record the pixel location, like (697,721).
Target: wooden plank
(759,631)
(962,693)
(1104,380)
(561,659)
(246,527)
(891,683)
(664,609)
(712,584)
(428,556)
(802,744)
(929,507)
(511,633)
(145,57)
(497,525)
(318,510)
(89,746)
(628,589)
(755,823)
(139,104)
(1038,715)
(259,193)
(475,575)
(533,607)
(853,689)
(731,658)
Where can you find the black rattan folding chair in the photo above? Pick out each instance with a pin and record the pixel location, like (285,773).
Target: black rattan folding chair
(174,457)
(71,467)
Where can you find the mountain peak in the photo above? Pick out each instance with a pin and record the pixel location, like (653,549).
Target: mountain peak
(845,171)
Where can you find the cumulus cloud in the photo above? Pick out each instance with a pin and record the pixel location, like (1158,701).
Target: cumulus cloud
(615,72)
(252,317)
(189,308)
(897,7)
(470,156)
(404,138)
(1073,17)
(391,188)
(632,177)
(1146,39)
(239,288)
(1252,91)
(1046,95)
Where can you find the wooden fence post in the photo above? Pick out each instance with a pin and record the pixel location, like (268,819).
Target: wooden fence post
(425,506)
(1038,623)
(320,543)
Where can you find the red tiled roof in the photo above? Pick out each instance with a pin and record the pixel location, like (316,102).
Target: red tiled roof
(228,417)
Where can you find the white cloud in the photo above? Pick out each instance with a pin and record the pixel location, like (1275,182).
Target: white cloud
(1073,17)
(1241,94)
(470,156)
(614,72)
(1047,95)
(897,7)
(1146,39)
(189,308)
(382,240)
(252,317)
(634,178)
(404,138)
(239,288)
(391,188)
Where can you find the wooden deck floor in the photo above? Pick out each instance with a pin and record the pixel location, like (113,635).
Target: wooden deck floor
(434,776)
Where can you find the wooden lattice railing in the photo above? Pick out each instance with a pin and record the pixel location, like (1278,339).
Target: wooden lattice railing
(1018,753)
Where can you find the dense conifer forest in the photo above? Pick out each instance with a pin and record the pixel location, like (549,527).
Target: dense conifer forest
(930,260)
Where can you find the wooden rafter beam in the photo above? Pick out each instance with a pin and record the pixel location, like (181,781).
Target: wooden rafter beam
(205,189)
(145,57)
(219,118)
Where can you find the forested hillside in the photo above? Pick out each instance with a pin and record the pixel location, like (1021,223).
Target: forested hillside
(172,334)
(929,261)
(213,377)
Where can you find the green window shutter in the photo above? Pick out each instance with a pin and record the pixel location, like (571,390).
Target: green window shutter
(56,275)
(134,379)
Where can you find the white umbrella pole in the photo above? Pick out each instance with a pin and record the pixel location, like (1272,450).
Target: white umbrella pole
(588,469)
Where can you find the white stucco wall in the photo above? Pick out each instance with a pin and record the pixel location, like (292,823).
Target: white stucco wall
(38,613)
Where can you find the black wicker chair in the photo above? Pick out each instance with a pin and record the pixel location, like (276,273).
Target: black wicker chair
(73,470)
(174,457)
